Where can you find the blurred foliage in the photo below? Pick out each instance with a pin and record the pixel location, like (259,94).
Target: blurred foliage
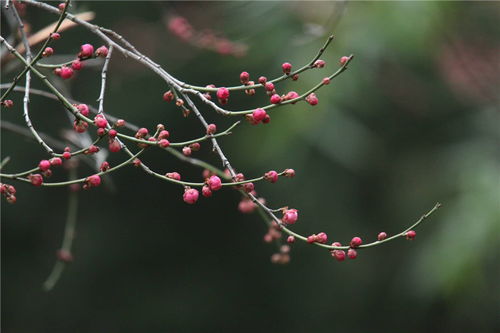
(415,120)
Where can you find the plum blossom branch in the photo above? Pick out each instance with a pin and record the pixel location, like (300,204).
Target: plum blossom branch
(186,97)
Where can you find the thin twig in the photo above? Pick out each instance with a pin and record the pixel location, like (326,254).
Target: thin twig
(104,72)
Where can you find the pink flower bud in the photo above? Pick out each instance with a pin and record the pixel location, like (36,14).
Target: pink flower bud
(291,95)
(244,77)
(290,173)
(112,133)
(141,133)
(114,146)
(206,191)
(80,126)
(66,72)
(93,181)
(92,150)
(322,238)
(47,52)
(86,51)
(267,119)
(275,99)
(344,60)
(8,103)
(271,176)
(104,166)
(222,93)
(339,255)
(381,236)
(186,151)
(290,216)
(83,109)
(100,121)
(173,175)
(164,143)
(168,96)
(44,165)
(410,235)
(287,68)
(36,179)
(190,195)
(211,129)
(312,99)
(269,86)
(259,115)
(239,177)
(55,161)
(290,239)
(355,242)
(102,52)
(319,63)
(248,187)
(77,65)
(352,253)
(164,135)
(214,183)
(195,146)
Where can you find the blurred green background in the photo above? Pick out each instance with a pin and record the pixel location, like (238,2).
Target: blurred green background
(414,120)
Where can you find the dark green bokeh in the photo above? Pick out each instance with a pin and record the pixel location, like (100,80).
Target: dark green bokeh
(413,121)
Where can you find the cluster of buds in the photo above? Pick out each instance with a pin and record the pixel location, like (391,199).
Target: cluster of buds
(340,255)
(8,103)
(86,52)
(214,183)
(92,181)
(319,238)
(44,166)
(9,192)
